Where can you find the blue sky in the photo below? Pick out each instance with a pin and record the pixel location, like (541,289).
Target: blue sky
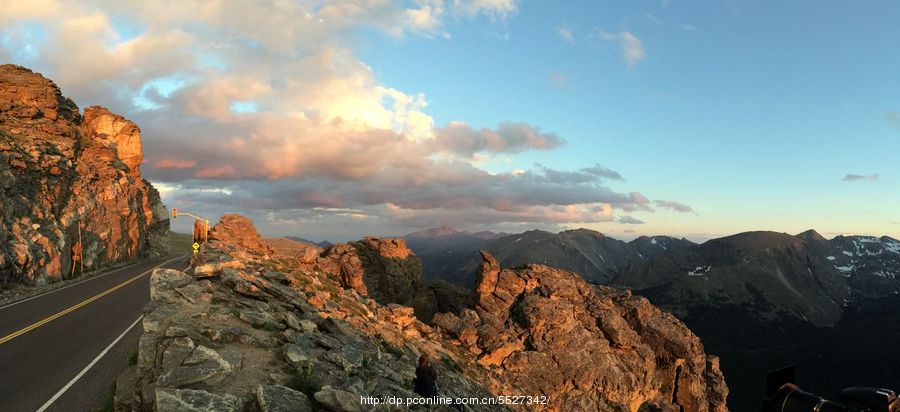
(348,118)
(753,112)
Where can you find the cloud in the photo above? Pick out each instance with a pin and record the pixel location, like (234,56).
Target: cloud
(509,137)
(632,48)
(628,220)
(688,27)
(893,118)
(672,205)
(565,34)
(860,178)
(267,111)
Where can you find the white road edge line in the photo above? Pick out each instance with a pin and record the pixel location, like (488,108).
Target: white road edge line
(70,285)
(88,367)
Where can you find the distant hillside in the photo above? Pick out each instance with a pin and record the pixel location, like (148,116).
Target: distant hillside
(772,275)
(763,300)
(453,255)
(323,244)
(180,243)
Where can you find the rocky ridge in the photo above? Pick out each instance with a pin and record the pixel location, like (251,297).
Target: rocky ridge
(60,169)
(247,328)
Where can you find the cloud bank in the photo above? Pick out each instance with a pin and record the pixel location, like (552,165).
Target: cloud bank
(267,111)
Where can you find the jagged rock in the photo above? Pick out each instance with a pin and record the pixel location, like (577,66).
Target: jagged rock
(307,326)
(384,269)
(239,232)
(342,260)
(291,321)
(192,400)
(259,319)
(60,170)
(547,331)
(277,398)
(336,400)
(186,364)
(533,330)
(295,355)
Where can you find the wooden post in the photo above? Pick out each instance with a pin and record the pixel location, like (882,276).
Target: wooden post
(77,253)
(80,249)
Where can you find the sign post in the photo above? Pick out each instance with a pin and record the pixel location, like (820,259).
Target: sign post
(201,228)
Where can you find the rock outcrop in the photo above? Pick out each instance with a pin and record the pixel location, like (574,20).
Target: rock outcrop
(383,269)
(245,329)
(60,170)
(547,331)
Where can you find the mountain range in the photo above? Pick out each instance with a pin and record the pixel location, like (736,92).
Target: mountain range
(759,300)
(804,277)
(452,255)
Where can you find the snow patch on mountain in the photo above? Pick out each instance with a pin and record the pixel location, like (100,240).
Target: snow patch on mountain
(699,271)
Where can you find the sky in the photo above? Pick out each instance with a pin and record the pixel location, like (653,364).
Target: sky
(345,118)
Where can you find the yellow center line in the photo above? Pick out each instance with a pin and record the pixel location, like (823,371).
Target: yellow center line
(74,307)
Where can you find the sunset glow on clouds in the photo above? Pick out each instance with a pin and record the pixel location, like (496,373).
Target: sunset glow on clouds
(323,132)
(269,110)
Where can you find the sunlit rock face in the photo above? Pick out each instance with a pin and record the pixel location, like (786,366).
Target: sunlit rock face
(318,330)
(545,330)
(61,169)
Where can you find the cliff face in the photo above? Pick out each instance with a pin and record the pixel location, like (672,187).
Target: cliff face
(545,330)
(60,169)
(252,322)
(383,269)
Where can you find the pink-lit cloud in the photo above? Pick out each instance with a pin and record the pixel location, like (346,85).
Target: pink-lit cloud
(322,133)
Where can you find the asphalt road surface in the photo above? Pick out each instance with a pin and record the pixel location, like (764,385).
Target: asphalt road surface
(62,351)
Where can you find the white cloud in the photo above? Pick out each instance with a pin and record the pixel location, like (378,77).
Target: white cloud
(632,48)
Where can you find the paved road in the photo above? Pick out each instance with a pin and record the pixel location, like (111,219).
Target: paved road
(51,345)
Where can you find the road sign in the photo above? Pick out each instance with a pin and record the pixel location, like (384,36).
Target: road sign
(196,247)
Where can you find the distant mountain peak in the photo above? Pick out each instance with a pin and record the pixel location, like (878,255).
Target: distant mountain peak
(760,239)
(811,235)
(435,232)
(586,231)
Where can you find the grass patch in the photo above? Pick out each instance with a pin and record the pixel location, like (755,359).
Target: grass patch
(180,242)
(133,358)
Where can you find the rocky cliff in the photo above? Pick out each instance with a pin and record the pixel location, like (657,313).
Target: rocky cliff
(61,169)
(545,330)
(248,328)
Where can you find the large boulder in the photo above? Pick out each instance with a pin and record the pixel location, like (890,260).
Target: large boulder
(239,233)
(61,171)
